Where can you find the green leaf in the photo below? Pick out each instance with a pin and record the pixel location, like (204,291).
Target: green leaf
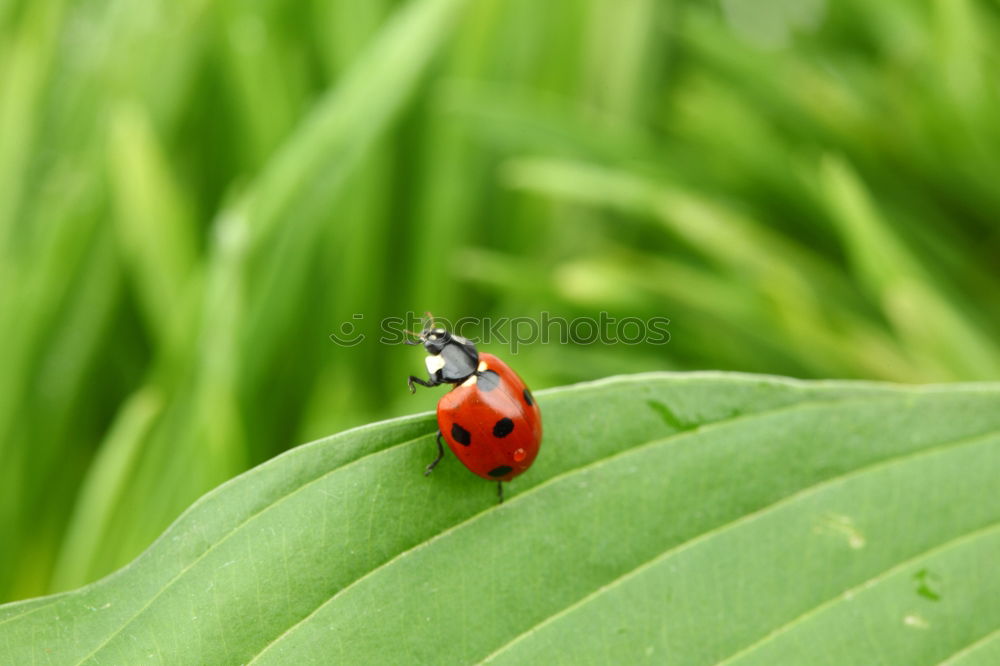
(670,518)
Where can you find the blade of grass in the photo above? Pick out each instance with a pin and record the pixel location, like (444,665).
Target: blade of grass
(154,224)
(946,339)
(103,490)
(303,180)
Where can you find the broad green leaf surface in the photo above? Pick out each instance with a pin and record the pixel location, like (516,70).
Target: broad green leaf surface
(670,518)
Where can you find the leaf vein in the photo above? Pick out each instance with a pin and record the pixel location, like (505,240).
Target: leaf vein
(33,609)
(746,518)
(954,542)
(782,409)
(234,531)
(972,647)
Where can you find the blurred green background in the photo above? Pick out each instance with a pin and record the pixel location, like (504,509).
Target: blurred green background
(194,194)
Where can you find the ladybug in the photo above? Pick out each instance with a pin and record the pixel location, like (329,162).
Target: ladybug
(489,418)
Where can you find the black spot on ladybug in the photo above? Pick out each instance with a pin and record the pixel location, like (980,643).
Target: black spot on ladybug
(460,434)
(527,398)
(503,427)
(488,380)
(502,470)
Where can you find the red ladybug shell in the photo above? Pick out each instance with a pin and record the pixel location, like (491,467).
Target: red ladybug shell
(494,427)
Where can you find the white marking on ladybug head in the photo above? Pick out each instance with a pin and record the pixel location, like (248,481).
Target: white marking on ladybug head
(482,367)
(471,381)
(434,363)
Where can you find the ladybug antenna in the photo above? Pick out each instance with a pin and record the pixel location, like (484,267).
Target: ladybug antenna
(416,335)
(429,324)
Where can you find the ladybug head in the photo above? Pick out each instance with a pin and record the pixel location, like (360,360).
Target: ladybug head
(435,339)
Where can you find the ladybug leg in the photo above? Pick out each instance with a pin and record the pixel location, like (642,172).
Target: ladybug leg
(420,381)
(500,491)
(430,468)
